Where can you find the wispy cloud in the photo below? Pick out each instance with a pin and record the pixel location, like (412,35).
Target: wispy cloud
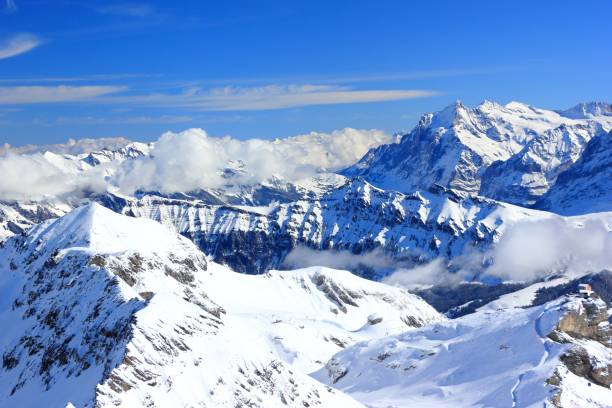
(82,78)
(124,120)
(18,44)
(21,95)
(216,99)
(10,6)
(269,97)
(354,78)
(128,10)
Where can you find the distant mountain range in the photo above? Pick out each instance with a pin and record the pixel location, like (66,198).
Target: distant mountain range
(452,184)
(512,153)
(148,299)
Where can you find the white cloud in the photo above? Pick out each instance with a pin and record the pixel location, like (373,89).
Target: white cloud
(83,78)
(401,272)
(72,146)
(216,99)
(18,95)
(34,177)
(303,257)
(528,251)
(183,161)
(534,249)
(432,273)
(193,160)
(18,44)
(268,97)
(279,97)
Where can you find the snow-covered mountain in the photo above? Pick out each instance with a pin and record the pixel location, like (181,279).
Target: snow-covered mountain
(356,217)
(523,153)
(100,309)
(556,355)
(587,185)
(588,110)
(512,153)
(114,297)
(353,220)
(531,172)
(525,148)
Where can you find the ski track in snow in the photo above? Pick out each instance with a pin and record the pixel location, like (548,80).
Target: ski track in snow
(538,329)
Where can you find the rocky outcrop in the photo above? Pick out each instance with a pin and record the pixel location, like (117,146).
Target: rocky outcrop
(588,321)
(579,362)
(586,330)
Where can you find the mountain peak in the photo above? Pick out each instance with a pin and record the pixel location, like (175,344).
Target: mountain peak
(488,105)
(587,110)
(518,106)
(94,228)
(449,115)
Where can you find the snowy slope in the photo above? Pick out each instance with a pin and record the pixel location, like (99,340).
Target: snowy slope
(107,309)
(494,358)
(529,174)
(587,185)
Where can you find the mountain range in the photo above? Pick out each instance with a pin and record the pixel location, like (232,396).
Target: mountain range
(239,293)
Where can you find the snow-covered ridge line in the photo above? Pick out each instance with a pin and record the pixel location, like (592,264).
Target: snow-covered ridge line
(103,309)
(356,219)
(511,153)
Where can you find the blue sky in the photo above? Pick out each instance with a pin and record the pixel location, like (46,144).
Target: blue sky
(75,69)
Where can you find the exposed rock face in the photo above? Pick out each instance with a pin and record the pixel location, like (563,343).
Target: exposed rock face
(590,321)
(355,217)
(585,327)
(579,362)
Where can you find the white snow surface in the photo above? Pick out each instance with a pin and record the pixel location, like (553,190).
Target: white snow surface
(105,309)
(491,358)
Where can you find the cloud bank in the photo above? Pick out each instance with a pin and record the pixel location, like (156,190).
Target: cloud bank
(36,177)
(72,146)
(528,251)
(303,257)
(533,249)
(18,44)
(181,162)
(192,160)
